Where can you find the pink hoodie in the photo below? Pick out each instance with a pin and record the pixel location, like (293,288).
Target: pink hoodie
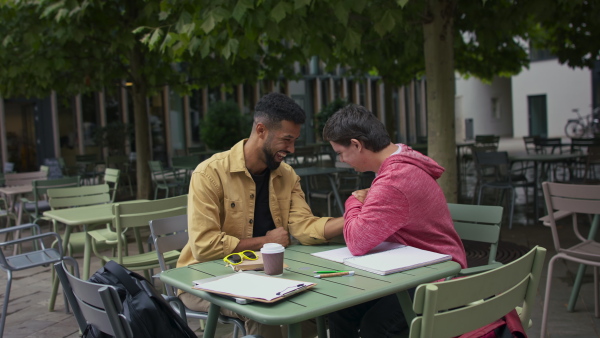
(405,205)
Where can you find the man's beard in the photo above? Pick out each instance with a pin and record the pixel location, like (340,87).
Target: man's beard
(270,159)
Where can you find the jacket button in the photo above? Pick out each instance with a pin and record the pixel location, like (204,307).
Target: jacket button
(252,196)
(251,221)
(232,204)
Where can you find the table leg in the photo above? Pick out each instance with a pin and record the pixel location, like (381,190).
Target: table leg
(17,247)
(294,330)
(211,322)
(407,306)
(321,327)
(535,191)
(87,254)
(54,292)
(336,194)
(582,267)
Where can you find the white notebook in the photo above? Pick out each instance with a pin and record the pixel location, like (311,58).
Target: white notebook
(386,258)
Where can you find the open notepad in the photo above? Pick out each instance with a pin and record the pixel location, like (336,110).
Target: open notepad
(248,285)
(385,258)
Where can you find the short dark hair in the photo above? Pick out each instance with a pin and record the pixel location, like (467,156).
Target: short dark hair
(273,108)
(356,122)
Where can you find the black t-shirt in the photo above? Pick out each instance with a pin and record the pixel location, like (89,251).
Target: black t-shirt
(263,220)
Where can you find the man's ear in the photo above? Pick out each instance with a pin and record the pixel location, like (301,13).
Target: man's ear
(261,130)
(356,143)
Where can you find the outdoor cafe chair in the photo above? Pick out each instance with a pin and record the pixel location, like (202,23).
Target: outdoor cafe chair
(454,307)
(87,195)
(96,304)
(563,200)
(32,255)
(478,223)
(170,235)
(165,179)
(121,162)
(86,166)
(111,177)
(494,171)
(35,206)
(134,216)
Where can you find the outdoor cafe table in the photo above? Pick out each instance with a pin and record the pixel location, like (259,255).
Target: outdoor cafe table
(329,295)
(330,172)
(88,215)
(11,194)
(538,160)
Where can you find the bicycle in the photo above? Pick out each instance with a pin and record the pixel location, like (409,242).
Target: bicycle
(583,126)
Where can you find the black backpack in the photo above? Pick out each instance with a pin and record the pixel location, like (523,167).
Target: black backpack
(147,312)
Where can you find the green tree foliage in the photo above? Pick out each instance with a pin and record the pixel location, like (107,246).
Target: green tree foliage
(571,31)
(223,126)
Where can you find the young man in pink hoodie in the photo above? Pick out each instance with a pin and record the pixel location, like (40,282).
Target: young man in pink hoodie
(405,204)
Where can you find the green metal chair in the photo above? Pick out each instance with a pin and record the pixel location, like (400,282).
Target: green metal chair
(35,206)
(111,177)
(166,180)
(134,216)
(458,306)
(75,241)
(122,163)
(479,223)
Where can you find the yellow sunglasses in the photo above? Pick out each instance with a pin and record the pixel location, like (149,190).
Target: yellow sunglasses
(238,257)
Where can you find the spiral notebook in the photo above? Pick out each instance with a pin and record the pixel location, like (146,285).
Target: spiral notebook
(386,258)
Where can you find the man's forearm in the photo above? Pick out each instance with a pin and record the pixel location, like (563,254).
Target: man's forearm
(334,227)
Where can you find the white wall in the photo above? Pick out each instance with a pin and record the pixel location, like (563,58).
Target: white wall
(565,89)
(475,98)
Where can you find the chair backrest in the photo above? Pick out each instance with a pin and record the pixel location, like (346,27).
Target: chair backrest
(139,214)
(492,164)
(487,141)
(480,223)
(454,307)
(549,145)
(96,304)
(40,188)
(14,179)
(571,198)
(111,177)
(78,196)
(580,145)
(169,234)
(530,146)
(156,170)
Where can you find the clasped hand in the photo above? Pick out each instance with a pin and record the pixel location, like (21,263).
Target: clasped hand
(278,235)
(361,195)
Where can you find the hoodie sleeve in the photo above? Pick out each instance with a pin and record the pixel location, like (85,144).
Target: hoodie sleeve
(366,225)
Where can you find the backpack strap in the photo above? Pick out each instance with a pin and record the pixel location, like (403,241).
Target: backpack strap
(123,276)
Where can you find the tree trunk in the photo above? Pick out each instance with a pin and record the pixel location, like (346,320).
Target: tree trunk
(439,70)
(142,125)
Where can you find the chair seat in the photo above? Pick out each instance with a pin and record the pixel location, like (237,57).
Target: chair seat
(35,258)
(146,260)
(42,206)
(77,240)
(585,250)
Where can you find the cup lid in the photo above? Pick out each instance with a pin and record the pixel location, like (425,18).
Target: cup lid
(272,248)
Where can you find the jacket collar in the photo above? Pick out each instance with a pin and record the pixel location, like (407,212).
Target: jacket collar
(238,161)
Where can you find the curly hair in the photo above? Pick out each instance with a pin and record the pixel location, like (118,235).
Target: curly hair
(273,108)
(356,122)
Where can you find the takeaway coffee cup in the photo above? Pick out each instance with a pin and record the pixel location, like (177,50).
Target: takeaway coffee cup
(272,255)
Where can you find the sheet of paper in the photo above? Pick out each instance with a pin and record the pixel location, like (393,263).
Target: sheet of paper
(338,255)
(254,286)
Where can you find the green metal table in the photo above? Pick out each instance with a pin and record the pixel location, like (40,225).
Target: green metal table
(329,295)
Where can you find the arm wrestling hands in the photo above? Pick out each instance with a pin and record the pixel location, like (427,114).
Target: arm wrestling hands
(333,227)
